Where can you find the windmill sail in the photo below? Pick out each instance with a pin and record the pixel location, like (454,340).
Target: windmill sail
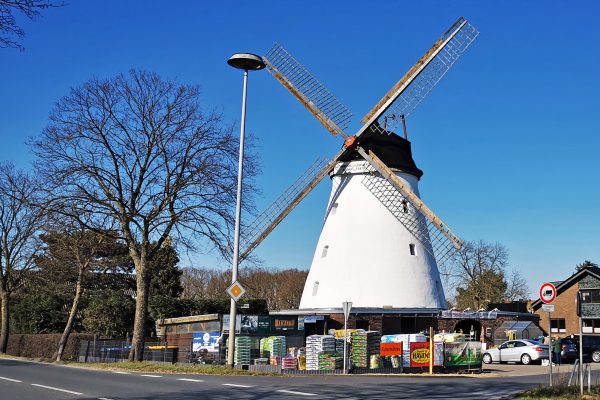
(268,220)
(308,90)
(414,86)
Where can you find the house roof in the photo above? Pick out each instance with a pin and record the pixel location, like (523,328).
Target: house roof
(567,283)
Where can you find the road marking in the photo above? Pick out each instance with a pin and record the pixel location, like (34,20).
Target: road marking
(190,380)
(121,372)
(236,385)
(298,393)
(151,376)
(10,380)
(104,398)
(57,389)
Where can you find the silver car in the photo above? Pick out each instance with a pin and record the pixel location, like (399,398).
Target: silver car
(524,351)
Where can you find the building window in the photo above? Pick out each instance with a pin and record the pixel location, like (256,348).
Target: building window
(590,296)
(315,288)
(324,253)
(404,206)
(591,325)
(412,249)
(334,208)
(557,325)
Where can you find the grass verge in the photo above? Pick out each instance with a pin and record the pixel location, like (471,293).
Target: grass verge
(560,392)
(170,368)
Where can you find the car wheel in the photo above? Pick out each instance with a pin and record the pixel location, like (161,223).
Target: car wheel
(526,359)
(487,359)
(596,356)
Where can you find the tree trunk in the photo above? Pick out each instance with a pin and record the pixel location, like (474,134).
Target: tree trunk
(65,336)
(4,314)
(141,311)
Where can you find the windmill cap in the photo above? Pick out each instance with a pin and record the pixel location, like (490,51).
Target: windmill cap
(393,150)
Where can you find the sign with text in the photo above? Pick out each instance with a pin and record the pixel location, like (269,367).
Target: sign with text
(281,323)
(548,307)
(390,349)
(206,340)
(419,354)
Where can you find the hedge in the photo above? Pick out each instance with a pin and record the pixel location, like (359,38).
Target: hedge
(45,346)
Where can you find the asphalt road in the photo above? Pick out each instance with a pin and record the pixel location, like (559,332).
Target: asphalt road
(21,380)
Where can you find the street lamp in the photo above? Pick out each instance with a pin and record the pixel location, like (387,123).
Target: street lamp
(247,62)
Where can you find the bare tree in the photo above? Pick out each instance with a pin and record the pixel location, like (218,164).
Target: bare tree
(281,289)
(139,150)
(10,32)
(517,288)
(20,222)
(477,274)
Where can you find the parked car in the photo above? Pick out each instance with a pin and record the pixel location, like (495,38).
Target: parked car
(524,351)
(569,349)
(591,347)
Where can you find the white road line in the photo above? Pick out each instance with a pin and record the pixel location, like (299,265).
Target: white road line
(57,389)
(121,372)
(10,380)
(151,376)
(236,385)
(190,380)
(104,398)
(298,393)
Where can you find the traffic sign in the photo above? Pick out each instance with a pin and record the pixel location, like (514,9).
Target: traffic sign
(236,291)
(548,307)
(547,293)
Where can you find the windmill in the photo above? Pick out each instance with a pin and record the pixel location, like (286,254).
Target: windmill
(380,244)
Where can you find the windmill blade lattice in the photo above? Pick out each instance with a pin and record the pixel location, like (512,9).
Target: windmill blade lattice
(308,90)
(428,234)
(260,228)
(408,93)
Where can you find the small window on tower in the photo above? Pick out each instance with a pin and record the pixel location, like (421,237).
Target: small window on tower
(315,288)
(324,254)
(412,249)
(334,208)
(404,206)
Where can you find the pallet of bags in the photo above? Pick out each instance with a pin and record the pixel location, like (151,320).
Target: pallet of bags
(329,361)
(289,362)
(316,344)
(243,350)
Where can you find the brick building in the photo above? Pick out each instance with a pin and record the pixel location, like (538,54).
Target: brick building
(564,320)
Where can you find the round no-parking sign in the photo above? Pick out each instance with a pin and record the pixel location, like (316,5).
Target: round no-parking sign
(547,293)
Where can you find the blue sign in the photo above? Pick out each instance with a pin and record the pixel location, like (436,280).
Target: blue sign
(206,340)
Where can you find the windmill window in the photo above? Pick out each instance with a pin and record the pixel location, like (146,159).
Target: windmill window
(315,288)
(404,206)
(412,249)
(324,253)
(334,208)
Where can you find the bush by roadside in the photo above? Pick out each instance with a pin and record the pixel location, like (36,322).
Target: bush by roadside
(560,392)
(44,346)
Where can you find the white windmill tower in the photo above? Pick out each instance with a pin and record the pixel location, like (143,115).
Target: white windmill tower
(379,242)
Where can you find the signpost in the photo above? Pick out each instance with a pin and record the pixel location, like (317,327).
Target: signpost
(346,307)
(547,296)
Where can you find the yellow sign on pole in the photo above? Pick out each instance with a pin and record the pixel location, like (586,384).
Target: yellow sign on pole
(236,291)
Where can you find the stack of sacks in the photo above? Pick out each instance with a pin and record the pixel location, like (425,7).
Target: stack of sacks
(316,344)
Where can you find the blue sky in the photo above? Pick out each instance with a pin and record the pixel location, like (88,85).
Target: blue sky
(508,140)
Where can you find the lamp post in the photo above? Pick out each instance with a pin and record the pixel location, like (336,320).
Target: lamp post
(246,62)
